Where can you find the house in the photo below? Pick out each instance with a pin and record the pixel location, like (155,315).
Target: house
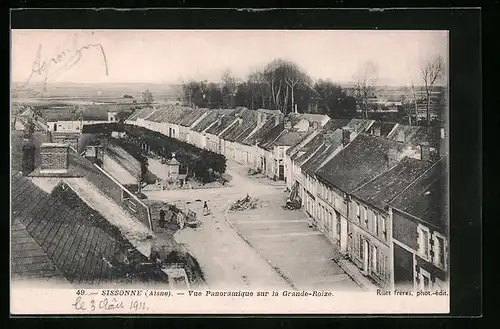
(374,228)
(332,140)
(223,123)
(191,118)
(306,148)
(420,231)
(198,134)
(362,160)
(298,129)
(249,145)
(72,118)
(266,148)
(57,237)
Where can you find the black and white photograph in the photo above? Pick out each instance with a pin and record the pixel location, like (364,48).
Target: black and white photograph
(229,164)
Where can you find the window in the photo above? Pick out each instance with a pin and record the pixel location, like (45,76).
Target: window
(384,231)
(425,279)
(365,215)
(361,249)
(439,250)
(423,241)
(375,223)
(356,205)
(374,259)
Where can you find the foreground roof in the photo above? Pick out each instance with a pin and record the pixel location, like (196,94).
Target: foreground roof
(82,245)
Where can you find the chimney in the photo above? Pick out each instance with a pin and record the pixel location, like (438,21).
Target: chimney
(55,158)
(264,117)
(276,120)
(376,131)
(346,135)
(28,161)
(259,118)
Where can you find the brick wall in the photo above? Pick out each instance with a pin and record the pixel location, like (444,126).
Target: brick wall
(54,157)
(66,138)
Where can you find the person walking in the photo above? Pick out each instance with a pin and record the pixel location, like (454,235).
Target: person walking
(162,218)
(205,209)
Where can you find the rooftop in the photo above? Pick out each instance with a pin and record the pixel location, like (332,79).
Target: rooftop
(331,143)
(363,159)
(426,197)
(82,246)
(267,140)
(417,135)
(385,187)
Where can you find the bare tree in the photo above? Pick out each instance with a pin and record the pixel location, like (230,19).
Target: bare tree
(431,72)
(291,79)
(365,79)
(147,97)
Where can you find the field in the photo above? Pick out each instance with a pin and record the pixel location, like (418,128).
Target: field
(94,92)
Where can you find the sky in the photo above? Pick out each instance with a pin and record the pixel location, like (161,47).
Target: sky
(176,56)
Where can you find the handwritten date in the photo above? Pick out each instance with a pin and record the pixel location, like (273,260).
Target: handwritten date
(108,305)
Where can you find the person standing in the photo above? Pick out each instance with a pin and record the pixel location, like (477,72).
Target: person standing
(205,208)
(162,218)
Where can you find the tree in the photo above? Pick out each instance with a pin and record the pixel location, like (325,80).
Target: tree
(228,88)
(284,77)
(431,72)
(147,97)
(365,79)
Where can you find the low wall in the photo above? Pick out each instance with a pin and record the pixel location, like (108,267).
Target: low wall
(119,193)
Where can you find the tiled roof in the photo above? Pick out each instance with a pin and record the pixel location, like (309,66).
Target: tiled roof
(81,244)
(385,187)
(417,135)
(141,113)
(290,138)
(331,143)
(192,116)
(426,197)
(330,126)
(260,133)
(362,160)
(307,150)
(222,123)
(267,140)
(29,260)
(239,132)
(212,117)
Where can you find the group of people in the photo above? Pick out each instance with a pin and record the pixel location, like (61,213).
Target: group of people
(174,215)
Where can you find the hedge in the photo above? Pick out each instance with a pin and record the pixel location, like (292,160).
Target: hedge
(202,163)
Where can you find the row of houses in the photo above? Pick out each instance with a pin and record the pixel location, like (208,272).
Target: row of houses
(255,138)
(376,190)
